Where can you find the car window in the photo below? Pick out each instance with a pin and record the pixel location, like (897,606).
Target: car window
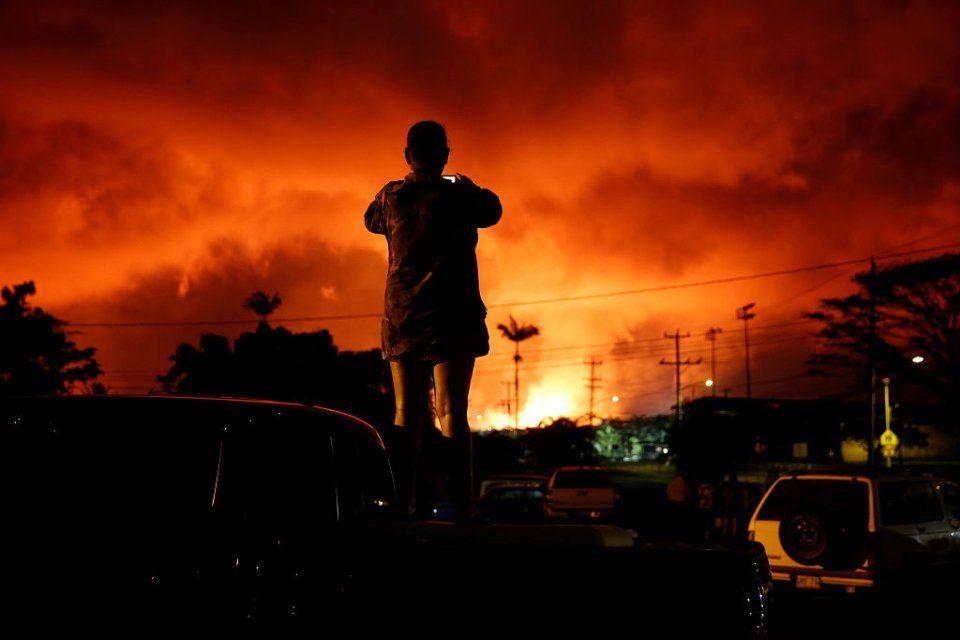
(582,479)
(951,498)
(364,478)
(839,496)
(143,475)
(517,494)
(277,472)
(908,502)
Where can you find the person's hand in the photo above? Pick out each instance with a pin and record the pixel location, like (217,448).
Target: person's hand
(464,180)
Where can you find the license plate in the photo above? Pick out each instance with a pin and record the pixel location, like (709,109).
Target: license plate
(808,582)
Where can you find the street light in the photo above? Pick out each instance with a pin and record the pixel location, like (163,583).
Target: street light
(708,382)
(917,359)
(615,399)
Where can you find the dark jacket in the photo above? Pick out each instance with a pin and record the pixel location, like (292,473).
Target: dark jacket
(432,304)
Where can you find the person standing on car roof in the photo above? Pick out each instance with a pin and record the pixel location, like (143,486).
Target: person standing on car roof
(434,318)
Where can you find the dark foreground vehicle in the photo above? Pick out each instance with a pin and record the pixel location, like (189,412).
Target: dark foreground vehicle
(139,513)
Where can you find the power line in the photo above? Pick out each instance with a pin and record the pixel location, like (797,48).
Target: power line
(541,301)
(206,323)
(635,356)
(646,351)
(565,361)
(756,383)
(629,344)
(727,280)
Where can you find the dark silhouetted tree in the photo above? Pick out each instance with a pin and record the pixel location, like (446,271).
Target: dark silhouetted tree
(263,304)
(36,357)
(278,364)
(917,313)
(517,333)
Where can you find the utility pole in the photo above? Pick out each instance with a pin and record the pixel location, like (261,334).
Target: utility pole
(712,337)
(677,363)
(592,386)
(871,362)
(506,403)
(516,385)
(743,313)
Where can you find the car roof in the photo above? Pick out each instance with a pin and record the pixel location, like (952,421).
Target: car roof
(856,472)
(173,400)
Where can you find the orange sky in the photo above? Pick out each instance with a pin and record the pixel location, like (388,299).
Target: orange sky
(160,161)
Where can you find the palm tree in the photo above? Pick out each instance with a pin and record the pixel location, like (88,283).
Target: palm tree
(517,333)
(262,304)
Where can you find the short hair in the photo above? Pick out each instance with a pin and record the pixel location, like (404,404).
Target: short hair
(428,141)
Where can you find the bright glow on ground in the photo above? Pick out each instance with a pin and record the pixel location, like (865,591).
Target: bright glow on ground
(545,402)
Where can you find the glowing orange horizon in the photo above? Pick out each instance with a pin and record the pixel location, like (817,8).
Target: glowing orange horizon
(163,166)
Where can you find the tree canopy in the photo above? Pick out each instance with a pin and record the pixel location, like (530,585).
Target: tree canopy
(917,314)
(278,364)
(36,355)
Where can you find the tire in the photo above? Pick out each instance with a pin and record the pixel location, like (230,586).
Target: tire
(805,537)
(813,537)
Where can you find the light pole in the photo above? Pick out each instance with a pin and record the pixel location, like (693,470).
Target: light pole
(693,389)
(743,313)
(711,335)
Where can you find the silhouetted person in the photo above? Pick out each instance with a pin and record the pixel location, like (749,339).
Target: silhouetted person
(434,319)
(707,505)
(731,507)
(680,505)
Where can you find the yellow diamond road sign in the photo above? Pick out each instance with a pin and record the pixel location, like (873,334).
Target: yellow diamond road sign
(889,442)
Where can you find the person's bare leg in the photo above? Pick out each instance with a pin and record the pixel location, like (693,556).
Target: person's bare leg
(411,386)
(452,384)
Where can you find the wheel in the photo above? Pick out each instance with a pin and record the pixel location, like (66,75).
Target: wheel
(813,537)
(805,537)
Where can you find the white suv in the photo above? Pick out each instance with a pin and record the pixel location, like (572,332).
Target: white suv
(852,530)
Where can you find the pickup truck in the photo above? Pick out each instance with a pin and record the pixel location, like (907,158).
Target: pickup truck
(137,513)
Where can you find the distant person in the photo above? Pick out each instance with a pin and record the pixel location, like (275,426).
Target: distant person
(707,506)
(678,489)
(731,508)
(434,319)
(680,507)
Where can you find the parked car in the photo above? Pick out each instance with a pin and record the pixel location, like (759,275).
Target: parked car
(857,529)
(514,480)
(581,492)
(140,513)
(512,504)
